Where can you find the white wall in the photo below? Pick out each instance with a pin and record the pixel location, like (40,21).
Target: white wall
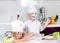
(9,10)
(52,8)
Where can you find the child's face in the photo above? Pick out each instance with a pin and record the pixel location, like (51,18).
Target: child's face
(32,16)
(18,35)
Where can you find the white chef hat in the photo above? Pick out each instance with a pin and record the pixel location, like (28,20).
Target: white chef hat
(32,6)
(17,26)
(32,9)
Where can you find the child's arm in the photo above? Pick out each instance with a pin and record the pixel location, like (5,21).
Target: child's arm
(25,38)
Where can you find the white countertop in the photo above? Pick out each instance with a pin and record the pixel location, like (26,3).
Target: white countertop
(41,41)
(44,41)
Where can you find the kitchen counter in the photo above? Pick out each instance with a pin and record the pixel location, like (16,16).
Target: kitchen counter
(41,41)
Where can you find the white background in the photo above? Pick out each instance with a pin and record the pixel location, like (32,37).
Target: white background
(9,10)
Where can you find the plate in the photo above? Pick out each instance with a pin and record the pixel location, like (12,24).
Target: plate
(49,38)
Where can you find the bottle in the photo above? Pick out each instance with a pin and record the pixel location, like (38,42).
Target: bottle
(52,21)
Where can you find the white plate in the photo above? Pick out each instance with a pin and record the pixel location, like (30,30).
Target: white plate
(49,37)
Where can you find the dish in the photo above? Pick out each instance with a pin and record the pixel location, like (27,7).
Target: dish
(49,38)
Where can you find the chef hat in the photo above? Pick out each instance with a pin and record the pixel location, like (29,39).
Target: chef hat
(32,2)
(17,26)
(32,6)
(32,9)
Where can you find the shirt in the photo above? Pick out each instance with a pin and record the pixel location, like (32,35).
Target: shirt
(34,26)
